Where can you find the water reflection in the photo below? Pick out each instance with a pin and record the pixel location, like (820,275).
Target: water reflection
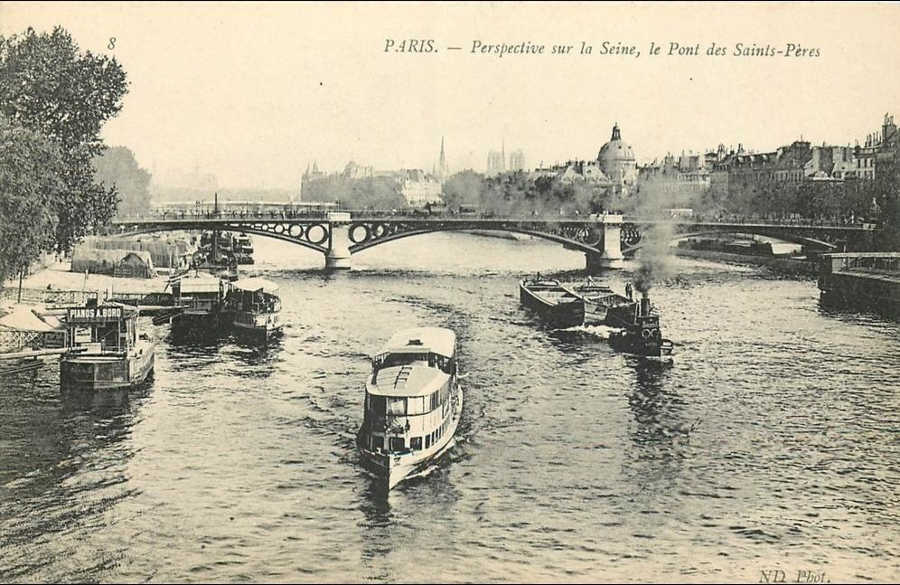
(69,464)
(257,355)
(659,435)
(656,409)
(390,546)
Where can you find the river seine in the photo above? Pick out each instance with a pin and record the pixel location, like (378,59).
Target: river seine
(770,445)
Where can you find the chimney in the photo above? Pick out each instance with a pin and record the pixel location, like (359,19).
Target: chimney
(645,304)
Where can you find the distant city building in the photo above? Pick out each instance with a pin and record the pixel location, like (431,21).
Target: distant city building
(614,169)
(419,189)
(416,186)
(441,173)
(675,180)
(355,171)
(517,160)
(792,165)
(617,161)
(496,162)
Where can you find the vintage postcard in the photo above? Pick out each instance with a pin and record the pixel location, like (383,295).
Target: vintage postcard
(449,292)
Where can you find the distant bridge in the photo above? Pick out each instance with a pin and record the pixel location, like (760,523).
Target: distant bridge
(605,239)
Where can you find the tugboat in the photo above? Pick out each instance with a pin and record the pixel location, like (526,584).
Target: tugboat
(413,404)
(556,304)
(114,357)
(641,334)
(256,309)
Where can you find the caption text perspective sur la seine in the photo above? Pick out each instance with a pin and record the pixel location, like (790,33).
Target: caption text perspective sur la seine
(604,48)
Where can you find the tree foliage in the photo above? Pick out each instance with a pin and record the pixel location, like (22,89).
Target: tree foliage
(117,168)
(31,169)
(886,196)
(49,86)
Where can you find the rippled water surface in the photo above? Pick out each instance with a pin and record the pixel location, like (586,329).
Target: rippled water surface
(771,444)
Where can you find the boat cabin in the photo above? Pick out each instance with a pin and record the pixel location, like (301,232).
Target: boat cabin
(255,295)
(201,296)
(408,396)
(110,328)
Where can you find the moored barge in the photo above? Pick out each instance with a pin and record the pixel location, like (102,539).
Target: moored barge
(110,352)
(559,306)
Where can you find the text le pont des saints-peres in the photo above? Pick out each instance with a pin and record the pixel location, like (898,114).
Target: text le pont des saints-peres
(612,48)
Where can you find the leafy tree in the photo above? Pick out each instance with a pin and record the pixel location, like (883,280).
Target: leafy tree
(49,86)
(30,182)
(886,193)
(117,168)
(463,188)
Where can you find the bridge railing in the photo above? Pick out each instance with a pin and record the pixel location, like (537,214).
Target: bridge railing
(48,296)
(188,216)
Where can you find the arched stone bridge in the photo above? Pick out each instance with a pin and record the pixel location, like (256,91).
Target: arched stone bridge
(605,239)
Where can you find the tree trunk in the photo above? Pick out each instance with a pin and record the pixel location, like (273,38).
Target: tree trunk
(21,275)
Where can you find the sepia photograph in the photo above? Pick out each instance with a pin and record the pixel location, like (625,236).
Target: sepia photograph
(449,292)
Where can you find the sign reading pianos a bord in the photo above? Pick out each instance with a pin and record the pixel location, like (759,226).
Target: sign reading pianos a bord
(93,314)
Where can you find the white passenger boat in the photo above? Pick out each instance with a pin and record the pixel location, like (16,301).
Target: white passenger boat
(413,404)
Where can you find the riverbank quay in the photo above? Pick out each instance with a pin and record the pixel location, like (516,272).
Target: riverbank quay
(33,312)
(784,266)
(863,280)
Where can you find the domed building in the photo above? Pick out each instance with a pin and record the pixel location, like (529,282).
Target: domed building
(616,160)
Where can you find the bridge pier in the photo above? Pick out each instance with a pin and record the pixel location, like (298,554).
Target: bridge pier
(338,255)
(610,227)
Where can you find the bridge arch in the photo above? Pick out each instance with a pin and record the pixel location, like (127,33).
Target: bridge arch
(797,239)
(285,235)
(398,235)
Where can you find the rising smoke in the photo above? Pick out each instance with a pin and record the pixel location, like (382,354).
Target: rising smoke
(655,256)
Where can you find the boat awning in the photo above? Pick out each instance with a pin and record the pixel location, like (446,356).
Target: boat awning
(255,284)
(409,381)
(199,286)
(422,339)
(24,319)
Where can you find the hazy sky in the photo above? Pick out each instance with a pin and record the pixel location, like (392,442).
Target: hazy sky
(253,93)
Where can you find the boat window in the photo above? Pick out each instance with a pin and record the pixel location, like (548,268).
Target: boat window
(417,405)
(397,444)
(396,406)
(377,442)
(428,440)
(434,401)
(377,405)
(415,443)
(398,359)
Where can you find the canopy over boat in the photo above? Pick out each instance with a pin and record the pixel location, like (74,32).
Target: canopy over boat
(410,380)
(24,319)
(200,285)
(422,340)
(255,284)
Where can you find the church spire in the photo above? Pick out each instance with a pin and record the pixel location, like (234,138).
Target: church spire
(442,162)
(616,134)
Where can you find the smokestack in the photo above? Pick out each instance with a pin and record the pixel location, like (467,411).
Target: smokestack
(645,304)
